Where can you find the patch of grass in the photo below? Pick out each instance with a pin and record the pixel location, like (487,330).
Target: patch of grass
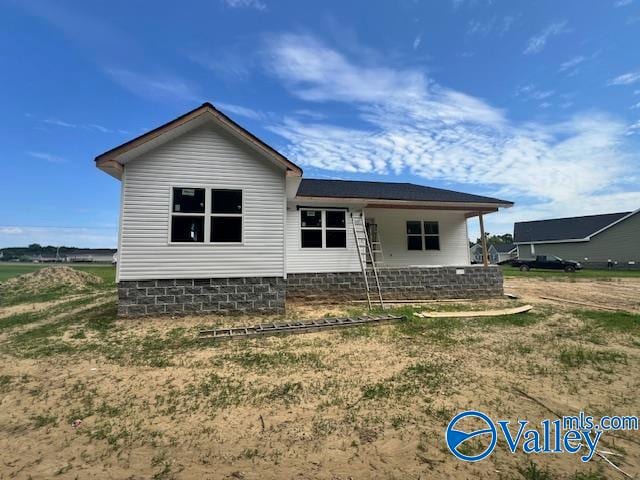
(518,320)
(624,322)
(5,383)
(40,421)
(533,472)
(600,359)
(508,271)
(263,361)
(288,392)
(412,380)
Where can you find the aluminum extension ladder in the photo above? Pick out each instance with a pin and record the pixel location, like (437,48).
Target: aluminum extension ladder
(364,250)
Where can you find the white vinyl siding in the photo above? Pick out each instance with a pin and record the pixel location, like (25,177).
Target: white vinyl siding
(392,227)
(205,157)
(318,260)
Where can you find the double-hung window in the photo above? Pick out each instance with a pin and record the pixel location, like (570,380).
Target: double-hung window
(323,228)
(188,215)
(226,216)
(200,215)
(423,235)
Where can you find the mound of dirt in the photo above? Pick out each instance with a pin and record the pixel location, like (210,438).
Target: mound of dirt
(51,278)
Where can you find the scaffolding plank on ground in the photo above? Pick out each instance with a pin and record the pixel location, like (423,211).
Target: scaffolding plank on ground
(265,329)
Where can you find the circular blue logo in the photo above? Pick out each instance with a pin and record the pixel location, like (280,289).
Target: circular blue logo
(456,438)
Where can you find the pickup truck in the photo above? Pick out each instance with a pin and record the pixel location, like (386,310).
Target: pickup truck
(548,262)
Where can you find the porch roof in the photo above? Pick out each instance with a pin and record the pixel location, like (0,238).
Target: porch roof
(388,191)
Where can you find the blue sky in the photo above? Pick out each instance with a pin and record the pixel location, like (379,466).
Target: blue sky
(535,102)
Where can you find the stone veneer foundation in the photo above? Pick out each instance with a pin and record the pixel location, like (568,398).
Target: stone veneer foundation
(268,294)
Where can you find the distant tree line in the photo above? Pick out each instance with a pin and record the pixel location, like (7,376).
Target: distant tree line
(33,250)
(495,239)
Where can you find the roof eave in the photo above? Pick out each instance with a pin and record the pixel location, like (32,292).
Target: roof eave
(471,206)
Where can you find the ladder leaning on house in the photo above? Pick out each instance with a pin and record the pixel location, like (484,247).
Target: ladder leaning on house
(365,255)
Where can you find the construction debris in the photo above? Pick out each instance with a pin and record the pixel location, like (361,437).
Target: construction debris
(476,313)
(265,329)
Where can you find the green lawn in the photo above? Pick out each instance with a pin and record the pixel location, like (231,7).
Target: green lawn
(106,272)
(558,274)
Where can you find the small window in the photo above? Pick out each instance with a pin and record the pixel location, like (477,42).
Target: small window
(188,200)
(226,229)
(336,232)
(311,218)
(414,235)
(187,228)
(226,201)
(187,215)
(423,235)
(311,238)
(311,228)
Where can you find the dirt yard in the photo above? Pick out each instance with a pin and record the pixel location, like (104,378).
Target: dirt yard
(152,401)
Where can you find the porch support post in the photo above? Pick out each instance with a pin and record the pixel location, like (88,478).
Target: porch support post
(485,254)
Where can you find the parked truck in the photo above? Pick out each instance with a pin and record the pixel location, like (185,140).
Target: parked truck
(546,262)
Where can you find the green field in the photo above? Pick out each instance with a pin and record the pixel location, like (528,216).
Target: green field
(106,272)
(556,274)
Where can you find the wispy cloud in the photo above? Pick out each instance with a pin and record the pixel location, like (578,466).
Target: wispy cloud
(408,124)
(240,110)
(56,122)
(537,43)
(531,92)
(500,25)
(622,3)
(572,63)
(417,41)
(626,79)
(255,4)
(47,157)
(159,87)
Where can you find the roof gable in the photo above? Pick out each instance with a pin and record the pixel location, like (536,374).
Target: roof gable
(112,160)
(566,229)
(388,191)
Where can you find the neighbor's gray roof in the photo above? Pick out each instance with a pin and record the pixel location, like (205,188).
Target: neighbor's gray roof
(504,247)
(310,187)
(563,228)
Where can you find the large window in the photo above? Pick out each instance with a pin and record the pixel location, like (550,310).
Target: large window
(323,228)
(190,222)
(423,235)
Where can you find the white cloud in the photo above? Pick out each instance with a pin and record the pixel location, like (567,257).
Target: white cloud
(538,42)
(408,124)
(89,237)
(255,4)
(240,110)
(626,79)
(60,123)
(636,106)
(417,41)
(623,3)
(572,64)
(47,157)
(499,25)
(155,88)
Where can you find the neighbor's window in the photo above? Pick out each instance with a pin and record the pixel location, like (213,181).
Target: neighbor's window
(311,228)
(187,215)
(336,231)
(423,235)
(226,216)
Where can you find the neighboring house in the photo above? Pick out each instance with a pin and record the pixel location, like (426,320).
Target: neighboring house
(213,219)
(476,254)
(505,251)
(611,240)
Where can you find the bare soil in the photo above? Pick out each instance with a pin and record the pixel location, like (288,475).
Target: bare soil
(360,403)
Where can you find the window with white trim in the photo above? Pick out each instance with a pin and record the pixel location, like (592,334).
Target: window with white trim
(188,215)
(423,235)
(322,228)
(200,215)
(226,216)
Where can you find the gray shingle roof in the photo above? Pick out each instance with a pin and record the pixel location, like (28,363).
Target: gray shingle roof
(310,187)
(504,247)
(563,228)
